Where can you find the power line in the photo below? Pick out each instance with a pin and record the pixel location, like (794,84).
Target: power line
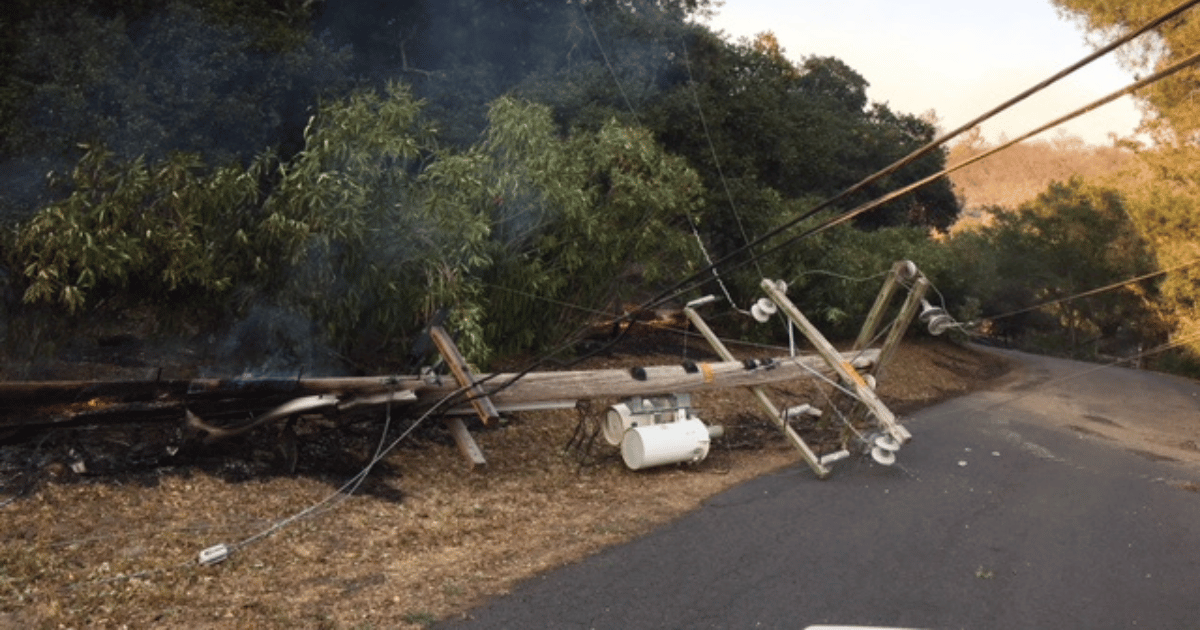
(1090,292)
(717,163)
(674,290)
(871,205)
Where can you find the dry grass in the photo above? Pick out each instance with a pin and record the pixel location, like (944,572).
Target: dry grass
(424,539)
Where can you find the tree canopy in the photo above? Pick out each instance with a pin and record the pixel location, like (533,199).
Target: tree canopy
(1163,189)
(492,156)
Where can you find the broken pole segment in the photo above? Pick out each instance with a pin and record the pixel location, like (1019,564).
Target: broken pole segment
(772,412)
(481,403)
(462,373)
(900,325)
(839,365)
(466,444)
(902,270)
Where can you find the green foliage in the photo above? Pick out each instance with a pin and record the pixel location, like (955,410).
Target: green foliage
(1073,238)
(372,227)
(154,229)
(1164,188)
(201,77)
(835,276)
(571,216)
(373,217)
(1177,116)
(803,130)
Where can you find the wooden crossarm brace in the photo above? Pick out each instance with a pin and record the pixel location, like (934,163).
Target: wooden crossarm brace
(462,373)
(907,312)
(875,316)
(759,393)
(479,401)
(840,366)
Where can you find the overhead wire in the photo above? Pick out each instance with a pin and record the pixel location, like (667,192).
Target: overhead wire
(871,205)
(1091,292)
(687,62)
(689,281)
(350,486)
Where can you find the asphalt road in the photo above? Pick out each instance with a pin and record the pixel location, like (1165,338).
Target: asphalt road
(1066,497)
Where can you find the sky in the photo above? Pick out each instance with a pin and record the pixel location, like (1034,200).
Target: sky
(959,58)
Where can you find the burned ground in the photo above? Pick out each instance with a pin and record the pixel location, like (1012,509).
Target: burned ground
(103,527)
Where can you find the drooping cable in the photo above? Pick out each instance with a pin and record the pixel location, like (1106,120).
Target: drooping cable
(871,205)
(1175,12)
(687,62)
(1091,292)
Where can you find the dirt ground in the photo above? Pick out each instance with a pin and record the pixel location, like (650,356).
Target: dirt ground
(114,544)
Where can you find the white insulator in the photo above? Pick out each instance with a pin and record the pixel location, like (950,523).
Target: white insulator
(763,309)
(835,456)
(801,410)
(887,443)
(940,324)
(883,456)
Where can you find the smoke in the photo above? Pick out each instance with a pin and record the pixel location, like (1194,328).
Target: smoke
(176,80)
(275,341)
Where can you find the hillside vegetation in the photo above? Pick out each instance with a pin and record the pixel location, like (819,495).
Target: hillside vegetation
(304,186)
(1018,174)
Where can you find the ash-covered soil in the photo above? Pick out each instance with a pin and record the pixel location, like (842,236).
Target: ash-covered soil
(103,526)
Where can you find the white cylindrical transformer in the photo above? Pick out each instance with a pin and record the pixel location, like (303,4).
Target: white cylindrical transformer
(618,420)
(669,443)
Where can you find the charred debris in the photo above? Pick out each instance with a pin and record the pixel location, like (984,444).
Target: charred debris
(653,424)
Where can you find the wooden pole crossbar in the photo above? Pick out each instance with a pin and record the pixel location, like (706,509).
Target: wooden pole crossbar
(760,394)
(840,366)
(479,401)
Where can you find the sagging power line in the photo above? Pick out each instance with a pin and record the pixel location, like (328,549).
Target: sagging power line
(690,282)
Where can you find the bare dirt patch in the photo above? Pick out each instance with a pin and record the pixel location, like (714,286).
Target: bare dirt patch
(422,538)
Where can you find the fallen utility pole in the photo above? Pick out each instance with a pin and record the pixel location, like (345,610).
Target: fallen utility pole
(49,404)
(514,391)
(773,412)
(838,363)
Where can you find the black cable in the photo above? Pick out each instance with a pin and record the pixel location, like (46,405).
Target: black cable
(1091,292)
(675,289)
(691,281)
(1133,87)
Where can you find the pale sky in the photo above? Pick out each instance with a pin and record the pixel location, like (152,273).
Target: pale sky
(959,58)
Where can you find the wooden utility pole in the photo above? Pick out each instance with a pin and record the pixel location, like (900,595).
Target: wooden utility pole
(838,363)
(773,412)
(482,405)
